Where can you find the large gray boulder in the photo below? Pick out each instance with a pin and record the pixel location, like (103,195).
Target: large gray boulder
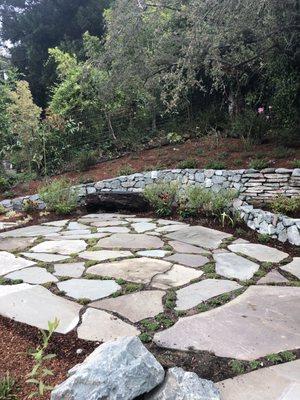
(182,385)
(116,370)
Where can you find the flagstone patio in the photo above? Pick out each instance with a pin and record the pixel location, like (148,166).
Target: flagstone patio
(105,274)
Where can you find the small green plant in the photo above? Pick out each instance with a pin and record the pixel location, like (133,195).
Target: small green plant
(237,367)
(283,152)
(170,299)
(215,165)
(296,164)
(189,163)
(164,320)
(259,164)
(59,197)
(202,307)
(30,206)
(39,373)
(263,238)
(83,301)
(274,358)
(145,337)
(4,184)
(3,210)
(8,388)
(254,364)
(162,197)
(132,287)
(125,170)
(86,159)
(287,356)
(286,205)
(174,138)
(150,325)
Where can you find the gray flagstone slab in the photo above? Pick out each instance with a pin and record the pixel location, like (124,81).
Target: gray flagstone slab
(33,230)
(45,257)
(132,241)
(103,255)
(293,267)
(272,277)
(259,251)
(71,270)
(233,266)
(181,247)
(64,247)
(15,244)
(34,275)
(178,275)
(9,263)
(88,288)
(141,227)
(190,260)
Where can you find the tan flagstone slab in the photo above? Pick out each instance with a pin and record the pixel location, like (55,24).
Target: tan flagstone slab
(71,270)
(279,382)
(36,306)
(64,247)
(261,321)
(169,222)
(272,277)
(140,270)
(15,244)
(169,228)
(34,275)
(259,251)
(234,266)
(292,267)
(45,257)
(181,247)
(109,223)
(134,306)
(74,225)
(9,263)
(141,227)
(114,229)
(78,236)
(132,241)
(91,289)
(28,231)
(76,232)
(194,294)
(190,260)
(139,219)
(200,236)
(98,325)
(60,223)
(178,275)
(103,255)
(153,253)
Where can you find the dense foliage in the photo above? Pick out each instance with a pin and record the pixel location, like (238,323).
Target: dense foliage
(156,70)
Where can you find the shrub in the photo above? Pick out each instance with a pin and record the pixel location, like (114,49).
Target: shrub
(162,197)
(283,152)
(257,163)
(296,164)
(189,163)
(199,201)
(174,138)
(215,165)
(4,184)
(250,125)
(286,205)
(30,206)
(125,170)
(59,197)
(86,159)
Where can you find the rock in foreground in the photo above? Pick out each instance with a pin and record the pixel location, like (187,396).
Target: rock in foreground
(122,369)
(182,385)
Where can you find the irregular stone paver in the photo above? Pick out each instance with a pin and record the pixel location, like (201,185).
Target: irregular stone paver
(272,277)
(76,232)
(75,236)
(169,228)
(74,225)
(104,224)
(15,244)
(178,275)
(33,230)
(233,266)
(131,241)
(114,229)
(71,270)
(153,253)
(44,257)
(139,219)
(98,325)
(200,236)
(180,247)
(9,263)
(60,246)
(140,270)
(293,267)
(169,222)
(141,227)
(60,223)
(102,255)
(259,251)
(34,275)
(35,305)
(261,321)
(88,288)
(190,260)
(194,294)
(279,382)
(134,306)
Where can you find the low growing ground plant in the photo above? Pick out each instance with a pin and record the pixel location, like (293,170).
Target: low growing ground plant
(286,205)
(215,165)
(189,163)
(8,388)
(59,196)
(125,170)
(162,197)
(258,163)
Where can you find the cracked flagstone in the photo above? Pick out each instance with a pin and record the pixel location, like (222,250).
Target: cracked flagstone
(134,306)
(178,275)
(34,275)
(98,325)
(131,241)
(88,288)
(292,267)
(9,263)
(103,255)
(180,247)
(36,306)
(139,270)
(261,321)
(190,260)
(272,277)
(71,270)
(194,294)
(231,265)
(259,251)
(33,230)
(200,236)
(44,257)
(278,382)
(65,247)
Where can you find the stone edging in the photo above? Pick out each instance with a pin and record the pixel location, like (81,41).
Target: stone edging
(254,186)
